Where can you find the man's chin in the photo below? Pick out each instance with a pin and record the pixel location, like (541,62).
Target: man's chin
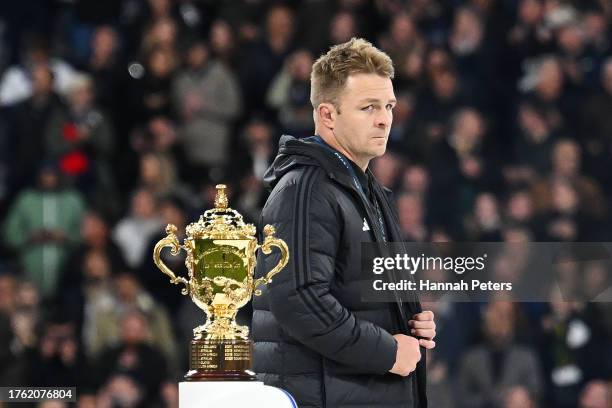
(374,154)
(380,150)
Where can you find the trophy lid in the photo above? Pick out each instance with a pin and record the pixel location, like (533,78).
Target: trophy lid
(221,222)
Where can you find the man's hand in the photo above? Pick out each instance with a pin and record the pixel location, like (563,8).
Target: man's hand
(423,326)
(408,355)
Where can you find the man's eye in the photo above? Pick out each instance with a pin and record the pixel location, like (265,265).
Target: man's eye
(368,108)
(390,107)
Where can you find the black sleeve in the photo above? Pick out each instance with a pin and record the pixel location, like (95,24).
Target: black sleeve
(299,296)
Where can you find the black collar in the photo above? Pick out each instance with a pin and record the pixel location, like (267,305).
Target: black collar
(365,180)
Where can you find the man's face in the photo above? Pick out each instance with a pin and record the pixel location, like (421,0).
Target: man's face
(42,80)
(363,125)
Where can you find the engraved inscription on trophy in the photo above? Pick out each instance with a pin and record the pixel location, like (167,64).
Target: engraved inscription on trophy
(204,356)
(237,352)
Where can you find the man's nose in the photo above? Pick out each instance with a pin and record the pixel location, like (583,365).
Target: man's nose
(384,118)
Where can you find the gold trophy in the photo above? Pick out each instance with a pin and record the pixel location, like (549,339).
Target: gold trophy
(221,261)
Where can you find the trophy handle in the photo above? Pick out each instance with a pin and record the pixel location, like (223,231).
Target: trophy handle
(169,241)
(269,242)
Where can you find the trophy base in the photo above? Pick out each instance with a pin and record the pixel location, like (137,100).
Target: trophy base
(197,375)
(220,360)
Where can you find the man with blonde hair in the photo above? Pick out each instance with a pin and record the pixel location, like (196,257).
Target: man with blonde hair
(314,336)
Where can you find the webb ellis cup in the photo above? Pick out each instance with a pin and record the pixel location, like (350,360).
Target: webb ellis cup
(220,260)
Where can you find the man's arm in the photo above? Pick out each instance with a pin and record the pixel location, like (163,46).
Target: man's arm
(299,296)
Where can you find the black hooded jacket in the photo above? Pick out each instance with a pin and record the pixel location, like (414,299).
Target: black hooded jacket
(313,336)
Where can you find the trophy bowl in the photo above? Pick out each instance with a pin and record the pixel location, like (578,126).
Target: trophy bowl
(221,255)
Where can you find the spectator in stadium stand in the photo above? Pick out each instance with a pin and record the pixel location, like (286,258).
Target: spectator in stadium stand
(411,213)
(105,65)
(149,88)
(289,94)
(81,138)
(58,360)
(343,27)
(438,101)
(208,100)
(223,43)
(489,369)
(266,56)
(42,226)
(94,292)
(562,219)
(415,179)
(403,137)
(127,295)
(16,84)
(572,344)
(471,166)
(132,372)
(484,225)
(545,87)
(95,238)
(172,211)
(519,208)
(17,333)
(529,37)
(387,169)
(562,199)
(532,144)
(577,58)
(567,165)
(162,33)
(255,152)
(472,54)
(597,127)
(258,143)
(158,174)
(25,121)
(403,38)
(596,31)
(133,232)
(95,235)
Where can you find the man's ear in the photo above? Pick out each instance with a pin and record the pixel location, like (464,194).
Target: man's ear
(326,113)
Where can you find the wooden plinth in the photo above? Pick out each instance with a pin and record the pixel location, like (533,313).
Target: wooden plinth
(220,360)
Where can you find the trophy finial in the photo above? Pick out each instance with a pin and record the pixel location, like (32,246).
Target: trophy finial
(221,198)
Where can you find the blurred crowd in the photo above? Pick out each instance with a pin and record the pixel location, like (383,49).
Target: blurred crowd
(118,117)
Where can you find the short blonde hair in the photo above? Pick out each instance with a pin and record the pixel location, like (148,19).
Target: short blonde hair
(331,70)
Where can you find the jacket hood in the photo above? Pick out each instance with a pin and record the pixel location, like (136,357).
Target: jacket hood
(293,152)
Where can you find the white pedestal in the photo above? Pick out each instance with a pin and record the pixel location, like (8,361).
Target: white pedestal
(232,394)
